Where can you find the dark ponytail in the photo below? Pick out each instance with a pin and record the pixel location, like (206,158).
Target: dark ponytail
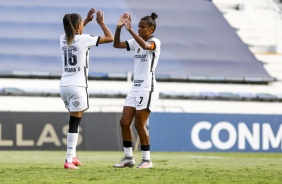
(151,20)
(71,21)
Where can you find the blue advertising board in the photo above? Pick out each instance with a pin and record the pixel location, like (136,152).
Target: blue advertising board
(215,132)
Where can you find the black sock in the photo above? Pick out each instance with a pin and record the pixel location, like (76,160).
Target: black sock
(73,124)
(145,148)
(127,144)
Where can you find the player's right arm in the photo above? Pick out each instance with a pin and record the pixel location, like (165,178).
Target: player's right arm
(108,34)
(120,24)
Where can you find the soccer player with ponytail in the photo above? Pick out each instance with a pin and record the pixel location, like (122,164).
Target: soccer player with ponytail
(142,98)
(75,48)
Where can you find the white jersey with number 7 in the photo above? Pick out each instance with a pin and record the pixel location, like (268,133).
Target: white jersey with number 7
(145,63)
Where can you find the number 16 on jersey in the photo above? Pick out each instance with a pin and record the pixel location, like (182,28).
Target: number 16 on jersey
(69,57)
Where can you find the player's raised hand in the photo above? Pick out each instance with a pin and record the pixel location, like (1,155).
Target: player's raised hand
(100,17)
(128,25)
(90,16)
(122,20)
(125,16)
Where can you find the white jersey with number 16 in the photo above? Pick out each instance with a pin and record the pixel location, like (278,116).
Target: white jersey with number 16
(75,59)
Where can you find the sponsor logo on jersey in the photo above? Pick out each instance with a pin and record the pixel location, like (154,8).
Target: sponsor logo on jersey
(142,57)
(138,56)
(138,82)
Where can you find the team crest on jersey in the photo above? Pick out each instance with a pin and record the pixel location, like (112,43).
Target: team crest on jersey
(76,103)
(138,50)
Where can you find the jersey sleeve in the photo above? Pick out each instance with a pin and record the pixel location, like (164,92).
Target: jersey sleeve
(89,40)
(157,44)
(130,44)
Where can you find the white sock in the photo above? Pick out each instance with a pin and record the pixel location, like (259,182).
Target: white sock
(146,155)
(128,152)
(74,154)
(71,145)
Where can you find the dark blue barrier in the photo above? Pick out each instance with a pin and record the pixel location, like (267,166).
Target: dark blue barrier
(48,131)
(216,132)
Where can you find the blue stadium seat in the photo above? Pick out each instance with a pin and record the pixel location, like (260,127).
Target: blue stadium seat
(209,95)
(266,97)
(247,96)
(199,46)
(228,96)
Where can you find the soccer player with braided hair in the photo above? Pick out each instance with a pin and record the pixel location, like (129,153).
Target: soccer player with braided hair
(142,98)
(75,48)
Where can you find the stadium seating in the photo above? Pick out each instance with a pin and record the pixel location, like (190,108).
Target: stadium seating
(115,92)
(29,49)
(199,46)
(263,16)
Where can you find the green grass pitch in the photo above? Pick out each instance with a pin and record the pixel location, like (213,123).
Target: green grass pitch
(169,167)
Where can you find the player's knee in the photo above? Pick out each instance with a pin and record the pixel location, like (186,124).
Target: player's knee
(124,123)
(140,127)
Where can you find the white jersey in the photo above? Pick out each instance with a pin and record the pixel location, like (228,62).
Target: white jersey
(145,63)
(75,58)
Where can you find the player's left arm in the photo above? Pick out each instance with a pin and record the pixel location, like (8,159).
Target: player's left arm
(89,17)
(145,45)
(108,36)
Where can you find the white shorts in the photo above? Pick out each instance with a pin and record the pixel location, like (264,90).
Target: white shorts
(75,98)
(142,99)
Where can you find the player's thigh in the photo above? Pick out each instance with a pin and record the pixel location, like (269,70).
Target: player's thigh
(129,109)
(141,117)
(127,116)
